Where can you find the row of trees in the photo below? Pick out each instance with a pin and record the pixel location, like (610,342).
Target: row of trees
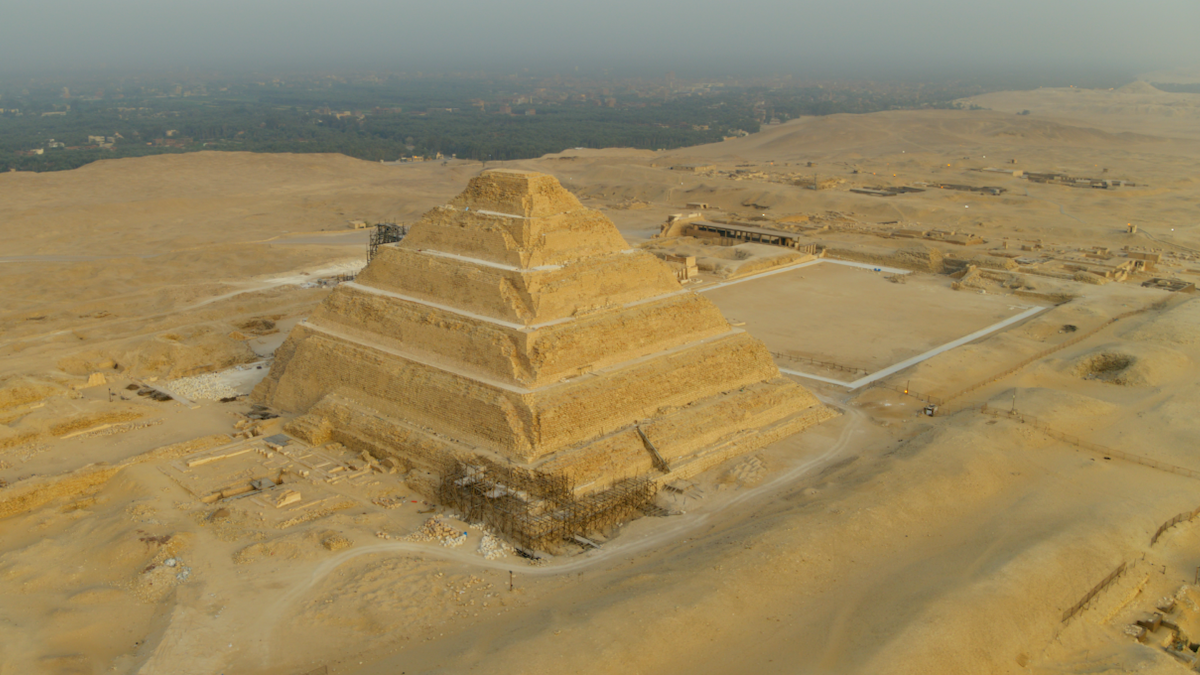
(468,134)
(277,119)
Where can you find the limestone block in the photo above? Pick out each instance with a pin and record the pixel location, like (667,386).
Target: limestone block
(336,542)
(514,326)
(516,241)
(523,193)
(523,297)
(522,357)
(286,497)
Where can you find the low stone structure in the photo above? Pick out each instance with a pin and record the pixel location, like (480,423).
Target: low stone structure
(514,344)
(729,234)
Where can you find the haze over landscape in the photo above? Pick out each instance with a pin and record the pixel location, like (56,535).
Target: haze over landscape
(861,38)
(375,338)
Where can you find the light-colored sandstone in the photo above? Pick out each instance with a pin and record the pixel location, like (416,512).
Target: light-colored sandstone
(517,325)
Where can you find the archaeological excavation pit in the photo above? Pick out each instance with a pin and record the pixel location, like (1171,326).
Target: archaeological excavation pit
(1105,367)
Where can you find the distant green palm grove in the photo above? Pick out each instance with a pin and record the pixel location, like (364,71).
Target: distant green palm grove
(44,127)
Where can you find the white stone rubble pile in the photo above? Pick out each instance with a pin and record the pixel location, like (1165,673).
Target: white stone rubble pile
(202,387)
(493,547)
(436,529)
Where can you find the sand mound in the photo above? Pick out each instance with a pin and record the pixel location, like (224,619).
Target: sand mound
(1178,327)
(731,261)
(297,546)
(1140,87)
(23,390)
(1035,130)
(185,351)
(726,261)
(1129,365)
(1175,419)
(1054,407)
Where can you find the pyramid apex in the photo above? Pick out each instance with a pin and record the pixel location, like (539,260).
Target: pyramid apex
(519,193)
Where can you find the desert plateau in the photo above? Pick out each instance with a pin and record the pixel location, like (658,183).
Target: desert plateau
(913,391)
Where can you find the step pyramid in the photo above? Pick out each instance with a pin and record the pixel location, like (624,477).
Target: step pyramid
(515,327)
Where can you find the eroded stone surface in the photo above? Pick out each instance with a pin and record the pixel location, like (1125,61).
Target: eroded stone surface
(516,324)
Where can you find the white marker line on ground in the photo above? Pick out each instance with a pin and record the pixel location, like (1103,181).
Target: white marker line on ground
(944,348)
(827,380)
(863,381)
(807,263)
(867,266)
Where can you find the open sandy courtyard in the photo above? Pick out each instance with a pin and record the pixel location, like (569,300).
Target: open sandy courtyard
(856,317)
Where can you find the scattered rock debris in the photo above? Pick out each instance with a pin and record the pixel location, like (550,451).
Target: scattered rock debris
(336,542)
(493,547)
(436,529)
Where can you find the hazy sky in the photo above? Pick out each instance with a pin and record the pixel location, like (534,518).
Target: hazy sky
(868,37)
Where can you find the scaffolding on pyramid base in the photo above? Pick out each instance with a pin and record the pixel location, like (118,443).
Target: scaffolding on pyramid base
(538,510)
(385,233)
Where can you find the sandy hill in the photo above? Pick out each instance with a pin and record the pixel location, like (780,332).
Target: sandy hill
(892,133)
(1137,107)
(214,196)
(128,242)
(1140,87)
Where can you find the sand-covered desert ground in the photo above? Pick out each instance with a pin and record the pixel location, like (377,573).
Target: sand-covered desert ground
(1018,530)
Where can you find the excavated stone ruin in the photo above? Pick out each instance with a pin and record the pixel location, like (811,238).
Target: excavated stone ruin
(514,337)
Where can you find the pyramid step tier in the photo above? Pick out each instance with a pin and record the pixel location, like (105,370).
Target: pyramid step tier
(515,240)
(514,422)
(693,447)
(526,297)
(503,352)
(683,434)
